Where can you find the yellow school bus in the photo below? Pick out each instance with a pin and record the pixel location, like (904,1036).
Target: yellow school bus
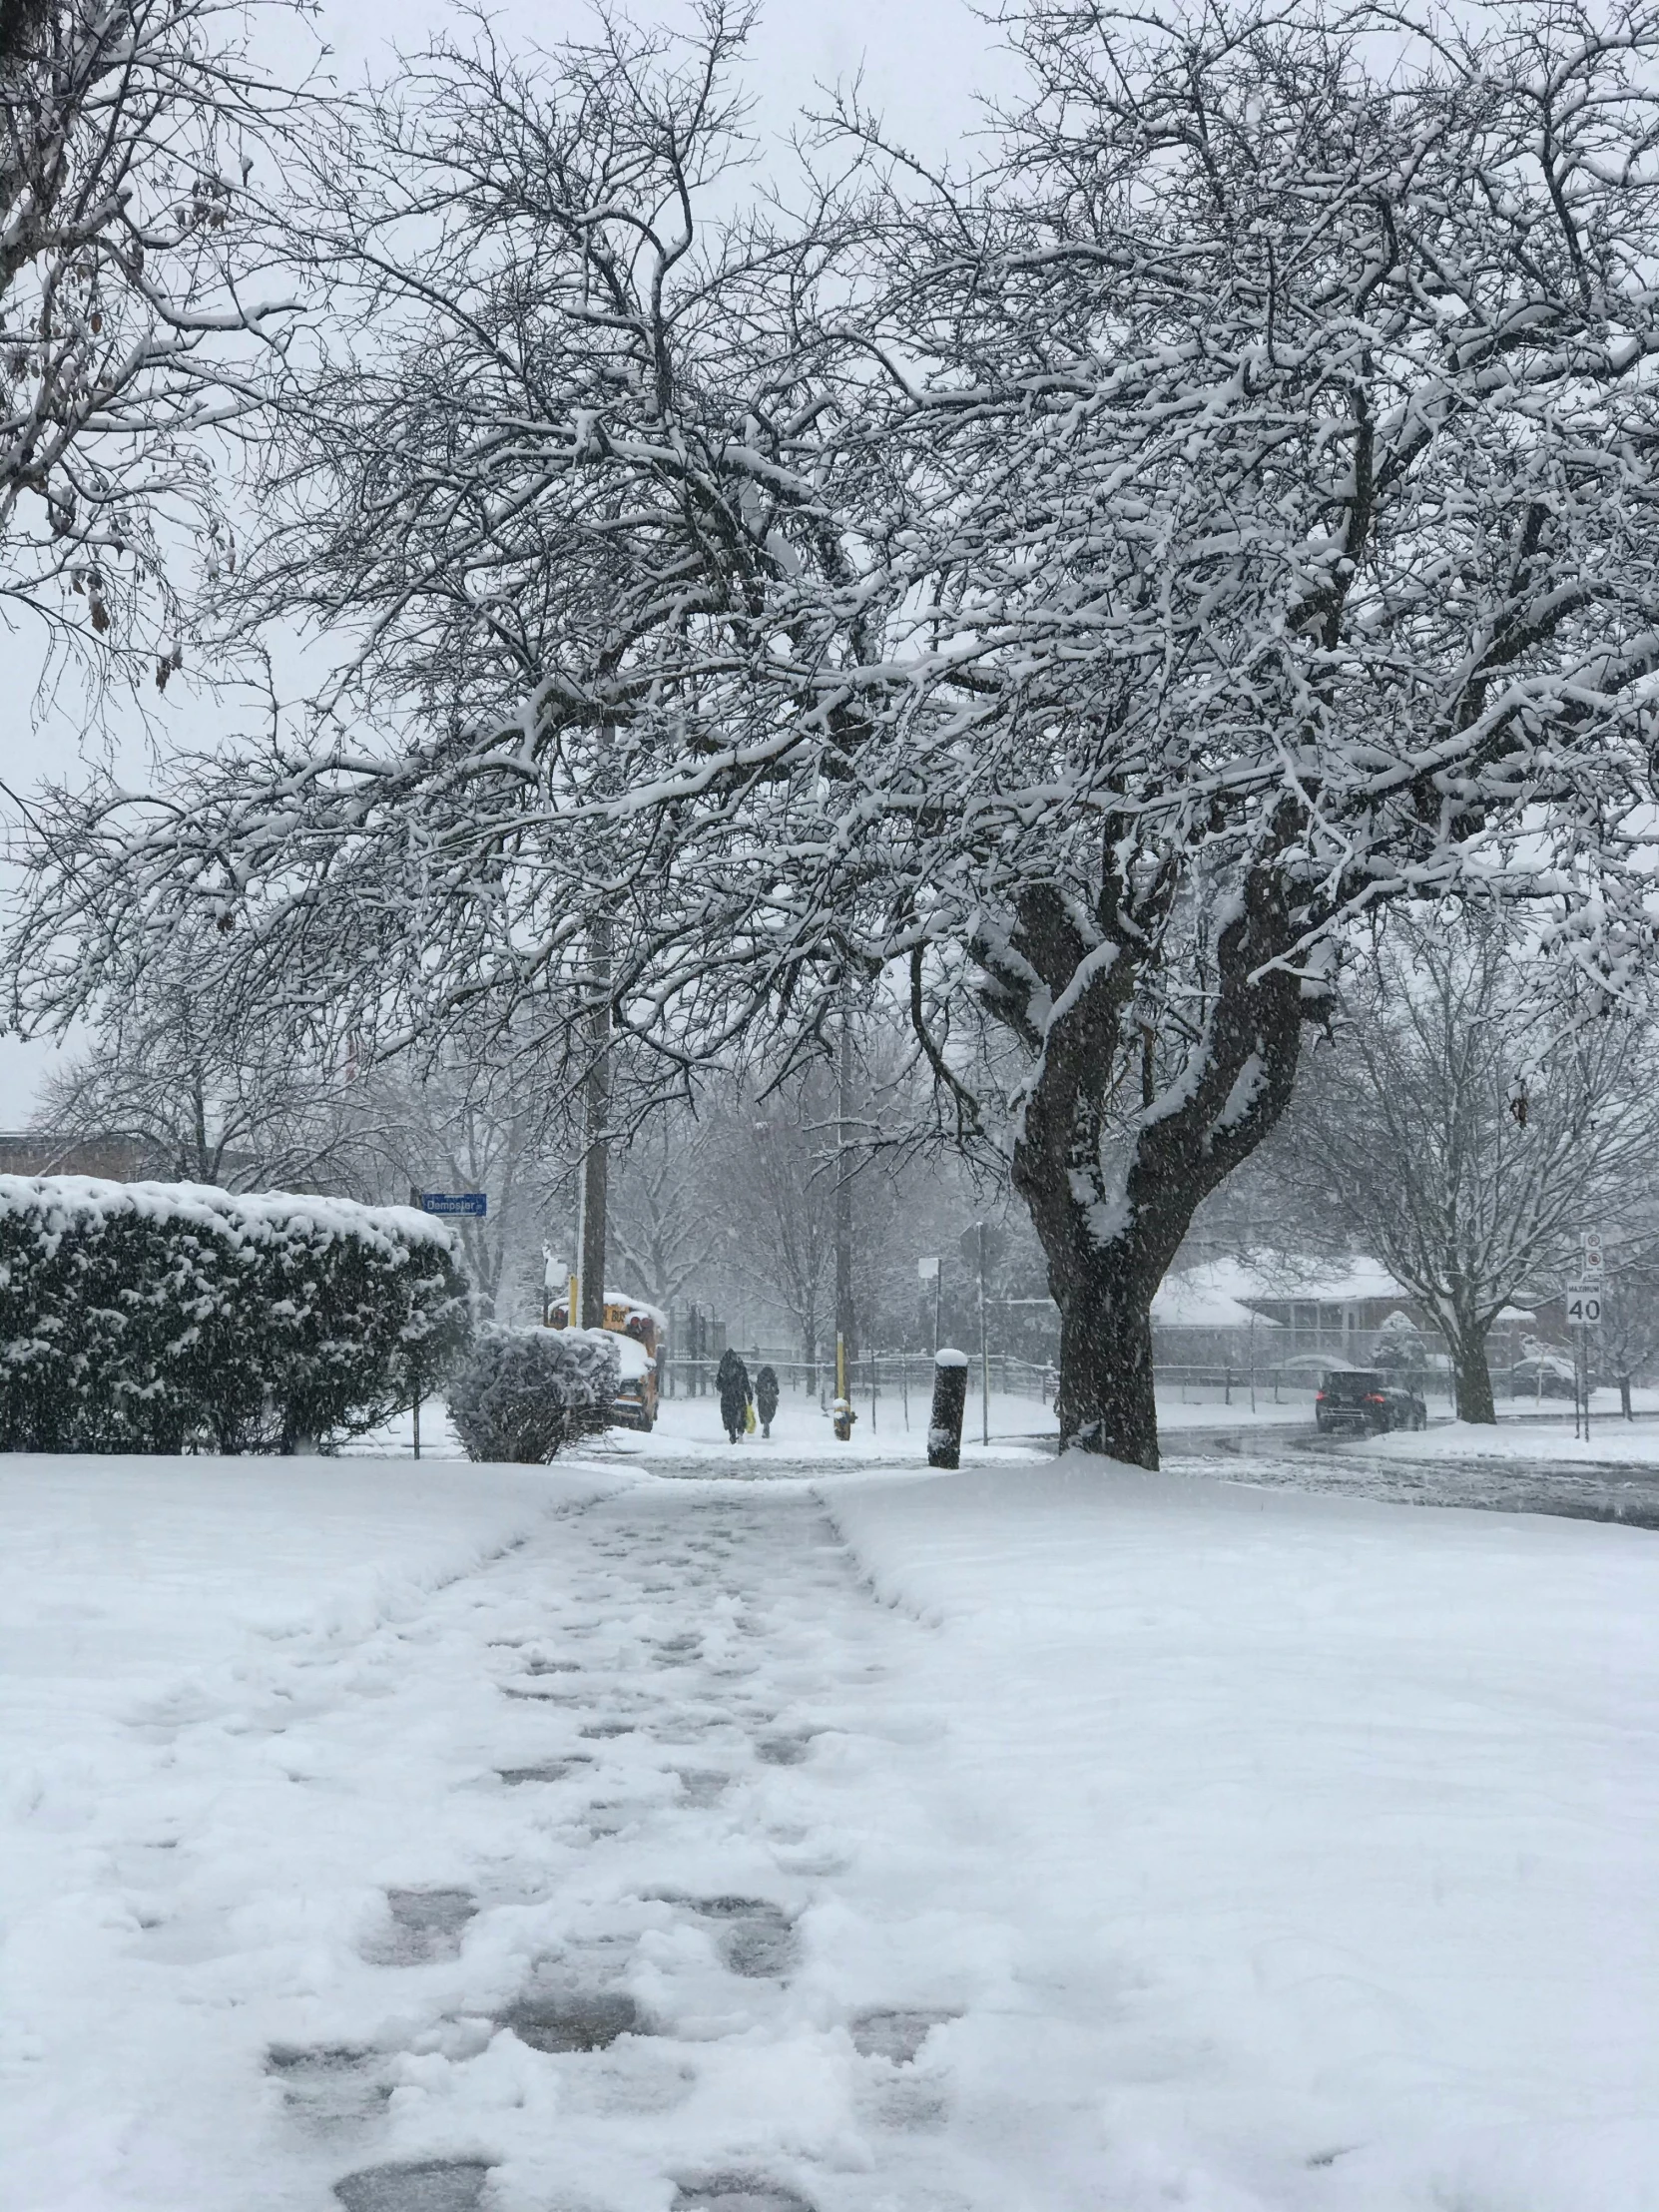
(642,1330)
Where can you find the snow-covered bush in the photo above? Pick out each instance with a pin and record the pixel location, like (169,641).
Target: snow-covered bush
(153,1316)
(522,1393)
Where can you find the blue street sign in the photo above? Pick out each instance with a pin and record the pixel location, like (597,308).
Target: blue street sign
(455,1202)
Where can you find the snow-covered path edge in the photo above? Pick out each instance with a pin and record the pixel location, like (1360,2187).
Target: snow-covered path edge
(1339,1824)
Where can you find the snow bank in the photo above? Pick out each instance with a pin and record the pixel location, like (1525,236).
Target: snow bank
(134,1592)
(1339,1821)
(1611,1439)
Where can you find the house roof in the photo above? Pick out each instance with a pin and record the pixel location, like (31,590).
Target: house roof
(1225,1293)
(1202,1293)
(1197,1298)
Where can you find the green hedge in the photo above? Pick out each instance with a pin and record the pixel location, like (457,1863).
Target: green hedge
(155,1316)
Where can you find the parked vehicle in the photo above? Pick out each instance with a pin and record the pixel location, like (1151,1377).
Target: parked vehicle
(1363,1401)
(641,1329)
(1545,1374)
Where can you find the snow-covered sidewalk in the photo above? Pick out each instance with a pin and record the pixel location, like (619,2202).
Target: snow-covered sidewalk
(1041,1839)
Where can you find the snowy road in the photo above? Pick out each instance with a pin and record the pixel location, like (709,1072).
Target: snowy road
(556,1883)
(1409,1471)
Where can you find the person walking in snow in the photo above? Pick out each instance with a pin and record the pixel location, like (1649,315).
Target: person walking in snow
(731,1382)
(766,1398)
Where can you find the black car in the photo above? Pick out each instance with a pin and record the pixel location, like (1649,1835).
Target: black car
(1363,1401)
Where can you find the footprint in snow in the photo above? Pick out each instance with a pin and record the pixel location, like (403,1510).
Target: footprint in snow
(575,2020)
(784,1751)
(429,2185)
(554,1770)
(738,2192)
(426,1925)
(330,2085)
(758,1939)
(701,1787)
(893,2034)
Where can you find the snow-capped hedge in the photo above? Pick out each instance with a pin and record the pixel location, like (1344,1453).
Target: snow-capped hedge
(522,1393)
(169,1316)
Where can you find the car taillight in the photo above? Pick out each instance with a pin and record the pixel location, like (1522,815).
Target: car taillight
(1371,1398)
(1318,1398)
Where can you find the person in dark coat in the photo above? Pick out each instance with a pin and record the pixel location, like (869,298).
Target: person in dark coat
(731,1382)
(766,1398)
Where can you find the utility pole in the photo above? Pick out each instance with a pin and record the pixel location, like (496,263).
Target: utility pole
(844,1343)
(596,1087)
(984,1350)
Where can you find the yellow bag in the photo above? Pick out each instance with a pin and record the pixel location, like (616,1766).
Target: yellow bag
(749,1417)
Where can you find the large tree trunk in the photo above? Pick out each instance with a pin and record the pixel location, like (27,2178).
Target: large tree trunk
(1109,1238)
(1106,1401)
(1471,1376)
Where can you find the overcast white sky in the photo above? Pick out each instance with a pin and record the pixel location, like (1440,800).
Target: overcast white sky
(922,62)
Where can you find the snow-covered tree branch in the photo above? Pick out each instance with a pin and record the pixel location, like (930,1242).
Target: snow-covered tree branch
(138,140)
(1065,596)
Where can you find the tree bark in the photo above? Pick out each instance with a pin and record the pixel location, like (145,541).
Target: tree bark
(1109,1244)
(1106,1400)
(1471,1376)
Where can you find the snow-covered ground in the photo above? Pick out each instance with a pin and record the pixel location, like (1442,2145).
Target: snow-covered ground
(1611,1441)
(1038,1839)
(1337,1826)
(690,1429)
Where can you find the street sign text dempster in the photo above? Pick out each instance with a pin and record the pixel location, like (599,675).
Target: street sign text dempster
(475,1203)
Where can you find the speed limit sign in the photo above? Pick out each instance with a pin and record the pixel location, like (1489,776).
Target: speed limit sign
(1585,1306)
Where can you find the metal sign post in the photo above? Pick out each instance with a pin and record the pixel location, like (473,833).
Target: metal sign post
(1583,1305)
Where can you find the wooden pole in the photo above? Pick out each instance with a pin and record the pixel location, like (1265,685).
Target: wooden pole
(595,1159)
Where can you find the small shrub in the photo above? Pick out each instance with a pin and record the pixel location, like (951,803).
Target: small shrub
(522,1393)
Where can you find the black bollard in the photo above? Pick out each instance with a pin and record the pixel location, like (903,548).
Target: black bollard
(944,1423)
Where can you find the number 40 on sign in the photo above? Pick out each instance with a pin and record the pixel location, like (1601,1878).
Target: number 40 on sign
(1583,1305)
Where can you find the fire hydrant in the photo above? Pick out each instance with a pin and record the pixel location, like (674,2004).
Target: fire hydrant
(842,1417)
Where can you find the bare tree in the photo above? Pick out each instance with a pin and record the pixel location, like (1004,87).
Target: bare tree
(1074,591)
(1467,1159)
(461,1121)
(1627,1343)
(212,1092)
(664,1216)
(132,307)
(781,1152)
